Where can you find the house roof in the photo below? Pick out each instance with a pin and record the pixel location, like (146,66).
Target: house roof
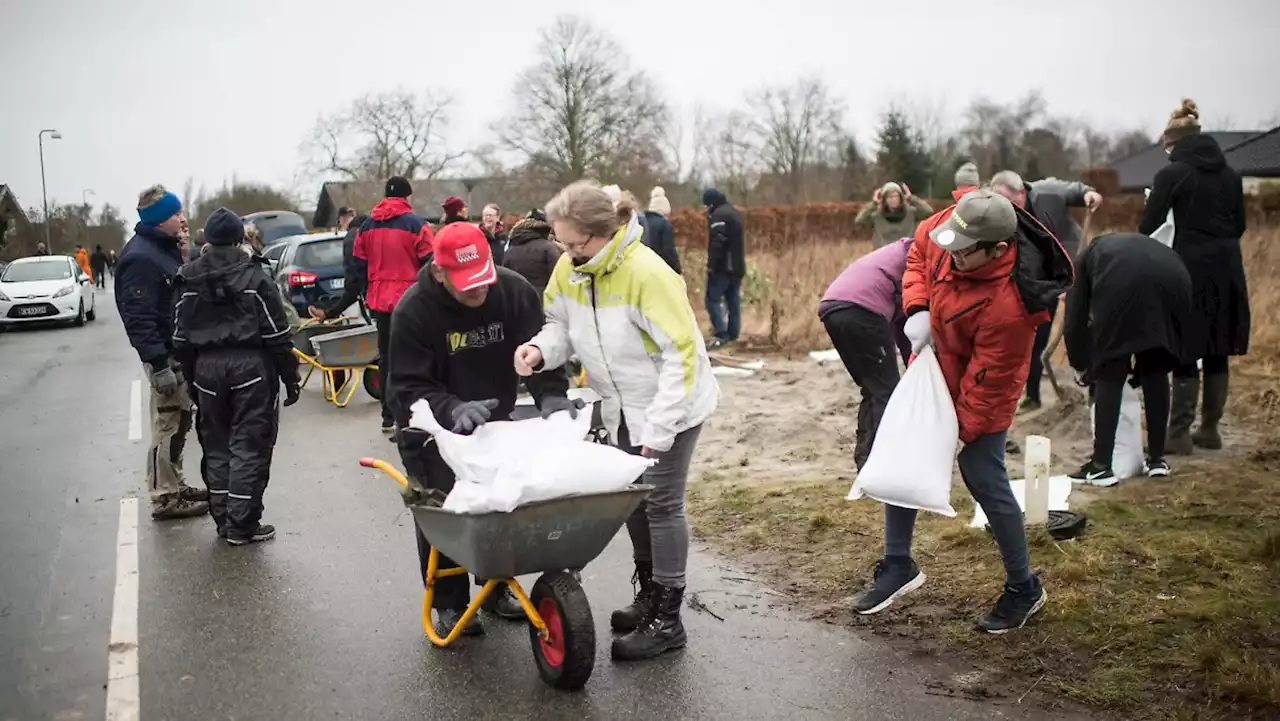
(1257,157)
(9,204)
(1138,170)
(428,196)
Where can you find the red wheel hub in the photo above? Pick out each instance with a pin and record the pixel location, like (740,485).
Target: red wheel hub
(553,644)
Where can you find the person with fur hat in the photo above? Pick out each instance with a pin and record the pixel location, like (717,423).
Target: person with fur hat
(893,212)
(660,236)
(531,252)
(1207,199)
(233,341)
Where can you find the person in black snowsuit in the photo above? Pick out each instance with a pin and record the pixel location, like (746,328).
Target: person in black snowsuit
(1125,318)
(1207,200)
(453,336)
(232,339)
(98,264)
(659,235)
(726,266)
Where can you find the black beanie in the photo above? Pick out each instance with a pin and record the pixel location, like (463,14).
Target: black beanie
(224,228)
(398,187)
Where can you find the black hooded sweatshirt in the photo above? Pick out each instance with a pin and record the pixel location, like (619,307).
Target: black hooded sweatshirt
(726,250)
(224,300)
(448,353)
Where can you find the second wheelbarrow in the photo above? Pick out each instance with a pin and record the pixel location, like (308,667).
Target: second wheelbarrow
(547,537)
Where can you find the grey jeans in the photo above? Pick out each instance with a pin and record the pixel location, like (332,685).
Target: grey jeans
(658,528)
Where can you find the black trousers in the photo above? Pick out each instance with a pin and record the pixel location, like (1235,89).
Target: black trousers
(1037,351)
(865,342)
(383,323)
(237,396)
(1213,365)
(1148,368)
(424,464)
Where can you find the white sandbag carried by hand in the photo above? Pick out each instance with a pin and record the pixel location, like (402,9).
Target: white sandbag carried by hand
(1164,233)
(506,464)
(1127,459)
(915,446)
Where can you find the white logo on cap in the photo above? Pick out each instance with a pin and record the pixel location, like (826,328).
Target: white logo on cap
(946,238)
(467,254)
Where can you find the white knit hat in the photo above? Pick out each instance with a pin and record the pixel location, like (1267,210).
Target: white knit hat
(658,202)
(614,193)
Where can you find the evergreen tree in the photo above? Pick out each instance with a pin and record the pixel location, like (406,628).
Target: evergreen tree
(902,156)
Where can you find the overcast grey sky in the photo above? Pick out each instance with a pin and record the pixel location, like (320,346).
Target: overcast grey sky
(145,91)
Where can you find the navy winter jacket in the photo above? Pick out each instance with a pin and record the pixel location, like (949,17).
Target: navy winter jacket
(144,292)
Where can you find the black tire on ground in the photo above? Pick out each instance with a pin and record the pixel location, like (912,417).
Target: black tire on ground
(566,660)
(79,321)
(372,383)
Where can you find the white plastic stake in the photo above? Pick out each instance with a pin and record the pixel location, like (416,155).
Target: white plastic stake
(1037,475)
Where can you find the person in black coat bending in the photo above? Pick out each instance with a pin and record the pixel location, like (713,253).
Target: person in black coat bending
(1207,200)
(1126,316)
(726,267)
(233,341)
(453,336)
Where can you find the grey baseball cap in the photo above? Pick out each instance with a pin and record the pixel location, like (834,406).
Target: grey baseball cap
(981,216)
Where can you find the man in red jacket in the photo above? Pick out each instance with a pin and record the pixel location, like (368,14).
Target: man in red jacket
(391,247)
(980,277)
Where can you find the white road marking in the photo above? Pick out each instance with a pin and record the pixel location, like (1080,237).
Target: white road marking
(123,700)
(135,411)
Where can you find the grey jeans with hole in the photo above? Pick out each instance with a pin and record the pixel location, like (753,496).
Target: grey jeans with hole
(658,528)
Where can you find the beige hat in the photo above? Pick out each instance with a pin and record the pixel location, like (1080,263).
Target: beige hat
(967,176)
(658,202)
(1183,122)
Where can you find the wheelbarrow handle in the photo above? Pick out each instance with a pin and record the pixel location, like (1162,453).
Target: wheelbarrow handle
(386,468)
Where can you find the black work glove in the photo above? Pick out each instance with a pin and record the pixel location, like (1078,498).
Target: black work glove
(164,381)
(292,392)
(1082,378)
(412,437)
(555,404)
(470,415)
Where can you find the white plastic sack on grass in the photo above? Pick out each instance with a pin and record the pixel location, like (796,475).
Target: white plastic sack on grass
(915,446)
(1127,459)
(506,464)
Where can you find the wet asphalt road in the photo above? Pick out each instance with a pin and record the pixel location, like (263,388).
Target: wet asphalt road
(323,622)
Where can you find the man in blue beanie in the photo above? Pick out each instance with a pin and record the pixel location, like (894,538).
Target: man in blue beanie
(726,267)
(144,297)
(233,342)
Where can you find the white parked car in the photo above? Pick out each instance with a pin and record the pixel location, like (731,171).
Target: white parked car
(46,288)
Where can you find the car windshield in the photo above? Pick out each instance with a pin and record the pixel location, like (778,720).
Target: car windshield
(41,270)
(274,226)
(319,254)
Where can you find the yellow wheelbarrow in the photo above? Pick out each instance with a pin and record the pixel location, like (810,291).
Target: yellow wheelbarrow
(545,537)
(340,349)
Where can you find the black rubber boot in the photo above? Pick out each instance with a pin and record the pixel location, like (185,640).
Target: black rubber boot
(1215,399)
(661,632)
(626,620)
(1182,413)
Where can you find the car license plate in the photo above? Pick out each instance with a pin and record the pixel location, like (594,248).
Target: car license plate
(338,283)
(31,311)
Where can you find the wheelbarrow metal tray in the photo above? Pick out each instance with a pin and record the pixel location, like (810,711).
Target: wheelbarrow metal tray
(551,535)
(347,348)
(302,336)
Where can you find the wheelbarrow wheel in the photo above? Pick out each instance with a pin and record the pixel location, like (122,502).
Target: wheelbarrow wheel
(567,656)
(372,383)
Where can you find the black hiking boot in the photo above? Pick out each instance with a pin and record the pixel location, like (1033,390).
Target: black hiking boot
(1095,474)
(1016,605)
(626,620)
(502,603)
(388,426)
(894,578)
(1207,435)
(661,631)
(173,507)
(1182,413)
(1157,468)
(447,618)
(263,532)
(187,493)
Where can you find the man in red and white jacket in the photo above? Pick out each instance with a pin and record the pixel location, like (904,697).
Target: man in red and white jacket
(391,247)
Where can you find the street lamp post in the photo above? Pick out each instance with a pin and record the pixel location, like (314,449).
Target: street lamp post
(84,200)
(44,192)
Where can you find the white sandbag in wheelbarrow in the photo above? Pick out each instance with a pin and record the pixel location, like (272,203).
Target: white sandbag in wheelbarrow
(915,445)
(506,464)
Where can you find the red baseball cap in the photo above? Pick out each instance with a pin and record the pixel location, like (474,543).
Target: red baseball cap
(462,250)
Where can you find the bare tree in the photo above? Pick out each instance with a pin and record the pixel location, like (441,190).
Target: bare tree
(797,128)
(727,157)
(993,132)
(385,134)
(581,111)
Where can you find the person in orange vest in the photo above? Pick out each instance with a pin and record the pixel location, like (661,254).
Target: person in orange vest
(82,259)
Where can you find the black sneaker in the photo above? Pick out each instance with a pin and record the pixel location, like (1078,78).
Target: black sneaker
(263,532)
(448,618)
(1095,475)
(388,426)
(174,507)
(1158,468)
(893,579)
(1030,404)
(1016,605)
(503,604)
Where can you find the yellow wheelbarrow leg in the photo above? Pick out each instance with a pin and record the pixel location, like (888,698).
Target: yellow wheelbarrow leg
(435,573)
(535,618)
(351,385)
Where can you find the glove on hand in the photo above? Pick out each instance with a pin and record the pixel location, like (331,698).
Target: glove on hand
(470,415)
(292,392)
(917,331)
(555,404)
(164,381)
